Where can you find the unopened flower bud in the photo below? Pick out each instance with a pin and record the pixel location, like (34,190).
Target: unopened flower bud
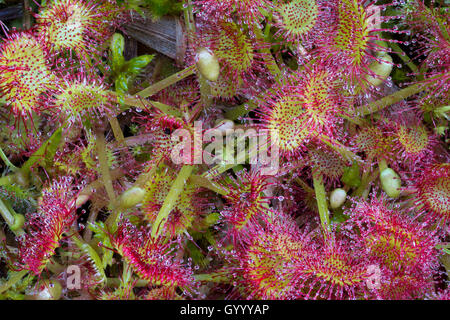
(390,182)
(132,197)
(208,65)
(337,198)
(381,69)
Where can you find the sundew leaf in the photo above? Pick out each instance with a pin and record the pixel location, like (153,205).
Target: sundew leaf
(98,228)
(94,257)
(124,72)
(137,64)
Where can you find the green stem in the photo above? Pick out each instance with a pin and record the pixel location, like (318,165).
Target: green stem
(115,282)
(9,216)
(389,100)
(239,111)
(208,184)
(104,167)
(382,165)
(355,120)
(155,88)
(7,162)
(339,147)
(304,185)
(6,180)
(175,190)
(189,21)
(371,179)
(117,131)
(364,183)
(205,92)
(26,14)
(13,279)
(268,57)
(402,55)
(364,188)
(212,277)
(143,104)
(321,198)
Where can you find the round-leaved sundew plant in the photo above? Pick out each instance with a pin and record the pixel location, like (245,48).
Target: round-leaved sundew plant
(70,25)
(393,239)
(80,97)
(432,191)
(302,20)
(375,142)
(401,247)
(403,144)
(327,162)
(301,109)
(353,42)
(46,227)
(415,144)
(246,204)
(297,17)
(235,50)
(332,268)
(25,72)
(153,259)
(268,265)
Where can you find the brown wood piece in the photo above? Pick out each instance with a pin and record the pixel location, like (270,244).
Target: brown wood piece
(164,35)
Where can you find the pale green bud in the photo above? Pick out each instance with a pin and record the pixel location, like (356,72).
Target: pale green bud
(390,182)
(208,65)
(132,197)
(337,198)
